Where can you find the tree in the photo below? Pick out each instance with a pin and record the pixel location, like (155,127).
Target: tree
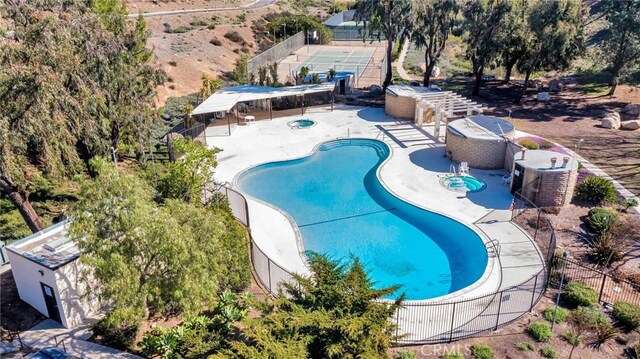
(382,18)
(431,24)
(334,313)
(514,36)
(210,85)
(483,22)
(71,88)
(555,39)
(621,46)
(148,259)
(186,177)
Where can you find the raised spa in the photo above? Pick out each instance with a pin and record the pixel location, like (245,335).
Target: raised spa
(341,209)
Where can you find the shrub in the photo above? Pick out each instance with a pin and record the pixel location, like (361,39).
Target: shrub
(215,42)
(234,36)
(547,145)
(529,144)
(556,314)
(173,63)
(453,355)
(627,315)
(178,30)
(597,190)
(601,219)
(608,249)
(405,354)
(479,351)
(198,22)
(114,334)
(548,352)
(525,346)
(245,49)
(579,295)
(630,202)
(211,26)
(540,331)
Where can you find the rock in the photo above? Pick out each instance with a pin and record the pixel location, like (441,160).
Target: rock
(421,67)
(630,125)
(555,86)
(535,84)
(615,115)
(435,72)
(632,109)
(610,122)
(544,97)
(11,35)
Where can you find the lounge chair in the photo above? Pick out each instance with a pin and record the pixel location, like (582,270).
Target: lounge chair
(463,170)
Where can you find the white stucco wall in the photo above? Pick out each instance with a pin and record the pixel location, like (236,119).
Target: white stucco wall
(28,279)
(76,303)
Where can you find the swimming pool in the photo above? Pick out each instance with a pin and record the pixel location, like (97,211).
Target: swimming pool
(341,209)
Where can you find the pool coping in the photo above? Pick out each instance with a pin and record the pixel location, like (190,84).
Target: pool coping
(491,262)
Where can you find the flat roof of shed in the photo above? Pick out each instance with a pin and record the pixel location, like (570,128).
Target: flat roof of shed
(52,247)
(541,160)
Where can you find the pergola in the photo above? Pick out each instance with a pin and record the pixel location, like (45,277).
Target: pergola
(227,98)
(446,105)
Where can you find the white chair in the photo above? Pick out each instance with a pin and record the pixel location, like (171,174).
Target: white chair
(506,180)
(463,170)
(249,119)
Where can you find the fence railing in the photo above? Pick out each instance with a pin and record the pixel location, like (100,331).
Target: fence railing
(276,53)
(417,323)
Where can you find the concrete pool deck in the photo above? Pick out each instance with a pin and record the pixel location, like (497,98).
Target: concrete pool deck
(412,172)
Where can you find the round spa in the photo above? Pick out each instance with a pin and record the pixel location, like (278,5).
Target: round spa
(341,208)
(479,140)
(301,124)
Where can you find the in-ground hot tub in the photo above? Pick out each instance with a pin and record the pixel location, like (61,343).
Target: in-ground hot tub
(301,124)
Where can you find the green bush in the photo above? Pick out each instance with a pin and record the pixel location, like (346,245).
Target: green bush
(556,314)
(579,295)
(548,352)
(601,219)
(597,190)
(117,335)
(547,145)
(627,315)
(234,36)
(540,331)
(630,202)
(479,351)
(525,346)
(453,355)
(405,354)
(529,144)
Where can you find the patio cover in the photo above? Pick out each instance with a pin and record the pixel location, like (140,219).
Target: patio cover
(226,98)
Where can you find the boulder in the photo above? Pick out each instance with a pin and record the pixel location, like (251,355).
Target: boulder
(632,109)
(555,86)
(630,125)
(614,114)
(421,67)
(11,35)
(610,122)
(544,97)
(435,72)
(375,89)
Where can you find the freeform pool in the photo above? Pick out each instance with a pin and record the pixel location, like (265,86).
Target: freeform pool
(341,209)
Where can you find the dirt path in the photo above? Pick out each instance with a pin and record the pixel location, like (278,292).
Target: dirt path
(253,5)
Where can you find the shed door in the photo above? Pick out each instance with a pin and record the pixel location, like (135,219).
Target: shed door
(518,178)
(52,303)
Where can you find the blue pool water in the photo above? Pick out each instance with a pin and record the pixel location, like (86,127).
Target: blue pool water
(301,124)
(342,209)
(466,183)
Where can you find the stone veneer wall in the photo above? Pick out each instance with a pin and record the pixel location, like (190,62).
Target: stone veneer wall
(403,107)
(512,149)
(549,188)
(479,153)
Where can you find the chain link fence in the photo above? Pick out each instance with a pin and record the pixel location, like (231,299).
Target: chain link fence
(276,53)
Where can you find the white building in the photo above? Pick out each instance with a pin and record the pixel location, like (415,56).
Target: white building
(49,275)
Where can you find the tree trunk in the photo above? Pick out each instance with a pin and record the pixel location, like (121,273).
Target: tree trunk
(507,75)
(524,88)
(21,201)
(477,82)
(427,74)
(571,352)
(387,78)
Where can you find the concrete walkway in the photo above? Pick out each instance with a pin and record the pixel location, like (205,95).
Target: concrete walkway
(400,62)
(50,333)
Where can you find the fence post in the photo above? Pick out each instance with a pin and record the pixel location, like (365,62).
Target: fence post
(604,280)
(535,234)
(499,309)
(269,271)
(453,317)
(397,322)
(533,295)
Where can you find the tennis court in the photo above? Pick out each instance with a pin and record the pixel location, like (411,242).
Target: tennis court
(355,61)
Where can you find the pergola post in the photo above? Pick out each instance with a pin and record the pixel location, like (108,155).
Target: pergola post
(303,103)
(228,124)
(270,109)
(332,100)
